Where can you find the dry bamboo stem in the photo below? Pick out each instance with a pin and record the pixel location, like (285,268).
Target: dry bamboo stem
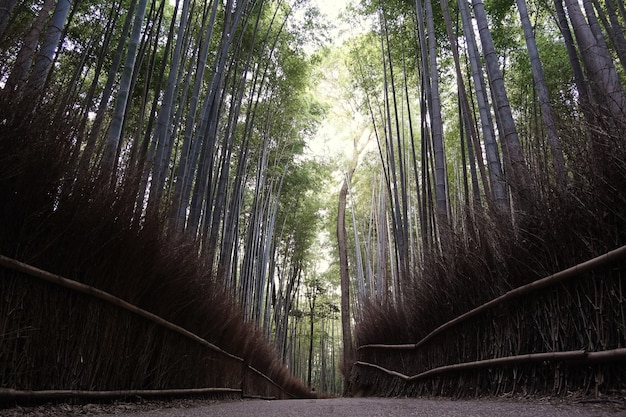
(568,356)
(572,272)
(12,394)
(111,299)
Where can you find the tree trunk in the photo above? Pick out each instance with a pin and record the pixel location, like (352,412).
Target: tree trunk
(466,117)
(115,130)
(107,92)
(311,329)
(601,72)
(21,67)
(585,103)
(492,153)
(45,56)
(163,136)
(6,7)
(348,349)
(517,174)
(441,183)
(613,28)
(558,161)
(189,153)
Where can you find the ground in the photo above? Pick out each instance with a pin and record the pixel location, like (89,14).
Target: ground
(336,407)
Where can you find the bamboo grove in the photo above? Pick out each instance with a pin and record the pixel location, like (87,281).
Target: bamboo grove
(499,133)
(156,147)
(156,150)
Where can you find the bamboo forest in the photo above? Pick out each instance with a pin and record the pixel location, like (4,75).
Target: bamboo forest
(249,198)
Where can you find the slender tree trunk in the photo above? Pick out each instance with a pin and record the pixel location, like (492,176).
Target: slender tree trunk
(107,92)
(441,183)
(210,119)
(492,154)
(6,8)
(311,328)
(115,130)
(23,62)
(585,103)
(323,386)
(467,119)
(601,72)
(163,134)
(382,252)
(45,56)
(348,349)
(613,28)
(398,176)
(517,173)
(191,148)
(360,275)
(558,160)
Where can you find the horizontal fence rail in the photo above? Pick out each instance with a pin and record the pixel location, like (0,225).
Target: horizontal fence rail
(12,394)
(569,356)
(572,356)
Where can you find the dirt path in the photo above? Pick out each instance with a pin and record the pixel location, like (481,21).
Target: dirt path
(379,407)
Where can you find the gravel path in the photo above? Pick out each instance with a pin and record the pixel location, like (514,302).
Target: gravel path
(379,407)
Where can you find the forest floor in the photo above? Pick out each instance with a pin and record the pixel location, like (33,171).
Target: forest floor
(336,407)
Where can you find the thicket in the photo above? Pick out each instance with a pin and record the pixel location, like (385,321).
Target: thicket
(586,313)
(72,225)
(507,181)
(154,150)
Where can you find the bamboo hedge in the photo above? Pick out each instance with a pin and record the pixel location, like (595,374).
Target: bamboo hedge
(566,337)
(146,350)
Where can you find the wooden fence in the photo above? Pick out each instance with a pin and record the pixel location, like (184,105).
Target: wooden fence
(251,379)
(481,341)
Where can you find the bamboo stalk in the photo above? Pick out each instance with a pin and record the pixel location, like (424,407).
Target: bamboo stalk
(568,356)
(12,394)
(109,298)
(612,256)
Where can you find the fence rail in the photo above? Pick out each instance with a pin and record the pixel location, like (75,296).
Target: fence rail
(573,356)
(47,395)
(13,394)
(569,356)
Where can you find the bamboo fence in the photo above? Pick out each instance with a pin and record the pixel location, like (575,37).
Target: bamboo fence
(252,379)
(506,333)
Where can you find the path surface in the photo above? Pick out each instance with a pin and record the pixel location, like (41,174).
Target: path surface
(382,407)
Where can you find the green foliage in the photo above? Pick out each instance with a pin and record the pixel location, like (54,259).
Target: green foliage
(300,207)
(556,68)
